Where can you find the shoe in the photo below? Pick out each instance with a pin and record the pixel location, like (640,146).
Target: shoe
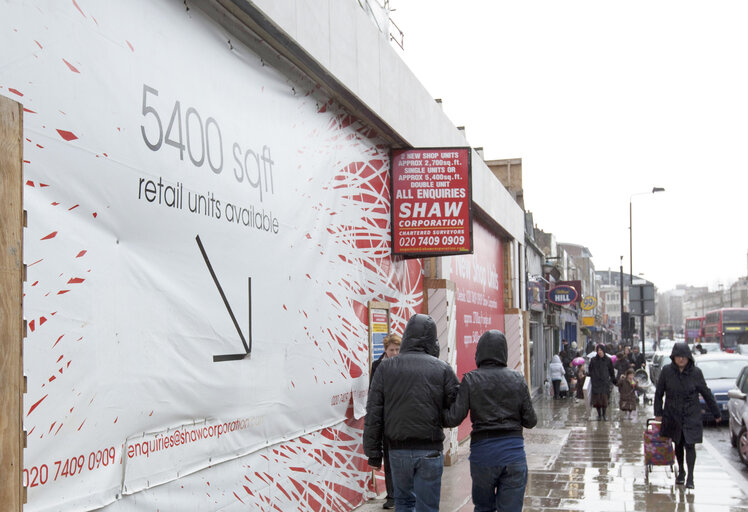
(681,478)
(689,482)
(389,503)
(605,418)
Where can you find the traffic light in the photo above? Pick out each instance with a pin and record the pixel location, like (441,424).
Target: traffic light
(632,326)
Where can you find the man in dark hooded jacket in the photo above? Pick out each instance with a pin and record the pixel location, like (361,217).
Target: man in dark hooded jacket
(500,407)
(406,413)
(681,382)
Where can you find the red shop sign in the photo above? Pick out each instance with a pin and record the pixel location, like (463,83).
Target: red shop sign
(431,202)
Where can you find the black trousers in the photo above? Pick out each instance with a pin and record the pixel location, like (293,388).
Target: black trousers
(387,472)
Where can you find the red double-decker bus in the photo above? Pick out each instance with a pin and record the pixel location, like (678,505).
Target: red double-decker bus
(729,328)
(665,332)
(694,329)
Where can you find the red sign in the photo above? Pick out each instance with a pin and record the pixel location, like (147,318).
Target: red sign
(479,297)
(431,202)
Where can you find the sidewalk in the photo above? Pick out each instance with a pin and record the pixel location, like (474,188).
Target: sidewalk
(580,465)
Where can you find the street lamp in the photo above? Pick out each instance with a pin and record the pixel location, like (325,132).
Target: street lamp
(631,255)
(631,231)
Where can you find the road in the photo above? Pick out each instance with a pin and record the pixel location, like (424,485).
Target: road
(718,437)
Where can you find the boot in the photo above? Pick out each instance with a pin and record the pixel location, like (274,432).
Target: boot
(681,478)
(605,417)
(689,482)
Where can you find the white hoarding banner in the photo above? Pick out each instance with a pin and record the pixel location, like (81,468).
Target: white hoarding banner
(204,232)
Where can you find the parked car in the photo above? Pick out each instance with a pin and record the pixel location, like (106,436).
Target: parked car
(661,358)
(737,408)
(720,370)
(649,349)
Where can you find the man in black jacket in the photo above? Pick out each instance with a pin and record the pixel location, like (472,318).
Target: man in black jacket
(406,413)
(500,407)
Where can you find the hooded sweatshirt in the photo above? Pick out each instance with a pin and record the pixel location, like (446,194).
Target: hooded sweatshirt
(409,392)
(556,369)
(497,397)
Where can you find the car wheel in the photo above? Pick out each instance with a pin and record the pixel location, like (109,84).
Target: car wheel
(743,445)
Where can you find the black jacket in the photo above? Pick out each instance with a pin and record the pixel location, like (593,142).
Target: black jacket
(498,397)
(601,374)
(682,411)
(637,360)
(408,394)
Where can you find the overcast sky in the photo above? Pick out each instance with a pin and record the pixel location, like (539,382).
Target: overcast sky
(604,100)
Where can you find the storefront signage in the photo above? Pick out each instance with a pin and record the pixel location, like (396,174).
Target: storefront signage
(536,295)
(563,295)
(431,202)
(589,303)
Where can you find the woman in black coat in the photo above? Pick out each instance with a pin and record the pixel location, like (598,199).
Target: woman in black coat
(602,376)
(681,382)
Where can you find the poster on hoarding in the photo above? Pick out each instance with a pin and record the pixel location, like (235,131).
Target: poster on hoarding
(205,229)
(431,202)
(479,297)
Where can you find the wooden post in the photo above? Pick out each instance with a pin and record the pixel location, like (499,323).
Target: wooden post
(11,305)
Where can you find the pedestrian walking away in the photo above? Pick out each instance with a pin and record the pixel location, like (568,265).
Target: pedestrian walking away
(500,407)
(391,349)
(602,377)
(681,382)
(407,397)
(556,372)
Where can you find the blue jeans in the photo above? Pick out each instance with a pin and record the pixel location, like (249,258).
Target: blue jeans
(499,488)
(417,479)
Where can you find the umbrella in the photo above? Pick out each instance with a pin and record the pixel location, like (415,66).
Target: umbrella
(613,358)
(577,361)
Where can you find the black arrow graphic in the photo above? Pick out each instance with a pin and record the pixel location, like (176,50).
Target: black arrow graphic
(247,347)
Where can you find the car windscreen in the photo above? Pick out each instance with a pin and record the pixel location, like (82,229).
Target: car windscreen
(721,368)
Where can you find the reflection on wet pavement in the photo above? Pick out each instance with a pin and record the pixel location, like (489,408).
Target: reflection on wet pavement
(576,464)
(600,467)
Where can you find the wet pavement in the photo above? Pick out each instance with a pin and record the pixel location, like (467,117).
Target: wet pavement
(581,464)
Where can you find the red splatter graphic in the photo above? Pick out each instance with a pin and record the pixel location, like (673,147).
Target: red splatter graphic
(72,68)
(75,280)
(28,110)
(38,44)
(50,236)
(131,48)
(81,253)
(15,91)
(67,135)
(79,9)
(31,409)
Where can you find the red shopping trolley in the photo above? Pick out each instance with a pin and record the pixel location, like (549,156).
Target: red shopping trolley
(658,450)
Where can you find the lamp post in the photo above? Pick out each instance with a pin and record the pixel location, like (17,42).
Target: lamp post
(631,253)
(631,231)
